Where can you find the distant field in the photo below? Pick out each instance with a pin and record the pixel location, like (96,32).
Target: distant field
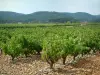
(32,25)
(44,25)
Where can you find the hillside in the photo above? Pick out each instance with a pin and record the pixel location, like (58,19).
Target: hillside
(46,16)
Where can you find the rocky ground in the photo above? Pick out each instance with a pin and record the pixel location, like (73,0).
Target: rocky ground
(35,66)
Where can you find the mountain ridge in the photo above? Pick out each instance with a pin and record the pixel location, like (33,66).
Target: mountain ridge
(47,16)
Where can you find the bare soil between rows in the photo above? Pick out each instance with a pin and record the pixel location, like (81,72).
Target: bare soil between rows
(35,66)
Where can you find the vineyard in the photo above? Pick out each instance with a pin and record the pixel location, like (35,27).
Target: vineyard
(53,43)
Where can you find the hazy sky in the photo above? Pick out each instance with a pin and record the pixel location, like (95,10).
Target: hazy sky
(30,6)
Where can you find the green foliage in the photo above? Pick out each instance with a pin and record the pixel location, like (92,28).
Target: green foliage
(68,22)
(14,46)
(4,36)
(53,42)
(93,42)
(32,47)
(51,49)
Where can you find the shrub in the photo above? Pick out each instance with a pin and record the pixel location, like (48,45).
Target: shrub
(51,49)
(14,46)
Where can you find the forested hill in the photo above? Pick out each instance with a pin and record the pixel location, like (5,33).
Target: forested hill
(46,16)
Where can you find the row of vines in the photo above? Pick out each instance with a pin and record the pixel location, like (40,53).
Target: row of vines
(52,43)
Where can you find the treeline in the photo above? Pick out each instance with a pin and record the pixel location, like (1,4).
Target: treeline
(46,17)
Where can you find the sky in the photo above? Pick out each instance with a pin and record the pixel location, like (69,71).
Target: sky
(30,6)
